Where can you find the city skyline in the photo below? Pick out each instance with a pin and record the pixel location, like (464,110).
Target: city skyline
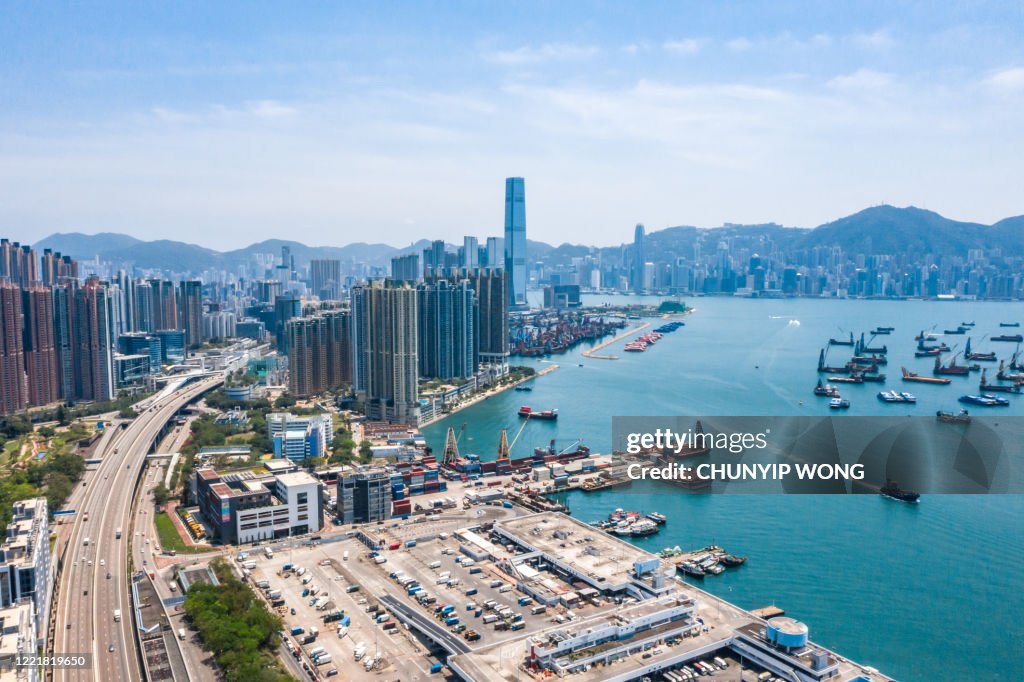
(346,121)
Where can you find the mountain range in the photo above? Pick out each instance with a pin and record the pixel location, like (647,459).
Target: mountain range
(909,231)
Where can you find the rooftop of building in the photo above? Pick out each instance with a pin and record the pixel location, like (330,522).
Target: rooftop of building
(604,558)
(17,630)
(296,478)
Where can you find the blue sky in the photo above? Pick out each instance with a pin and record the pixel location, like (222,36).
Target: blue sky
(226,123)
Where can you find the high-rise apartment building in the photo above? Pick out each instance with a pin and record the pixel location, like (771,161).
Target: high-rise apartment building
(515,240)
(18,264)
(469,256)
(93,344)
(164,306)
(406,268)
(495,253)
(325,278)
(40,352)
(385,348)
(285,308)
(319,352)
(491,287)
(13,392)
(57,268)
(191,299)
(447,316)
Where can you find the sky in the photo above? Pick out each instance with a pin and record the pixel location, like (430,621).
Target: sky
(226,123)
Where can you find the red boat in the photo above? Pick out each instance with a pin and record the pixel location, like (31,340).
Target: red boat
(529,413)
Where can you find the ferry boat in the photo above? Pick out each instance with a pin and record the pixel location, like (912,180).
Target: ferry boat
(961,417)
(912,376)
(985,400)
(892,490)
(838,404)
(529,413)
(894,397)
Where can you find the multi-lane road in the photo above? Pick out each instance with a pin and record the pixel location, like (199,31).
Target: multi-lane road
(94,583)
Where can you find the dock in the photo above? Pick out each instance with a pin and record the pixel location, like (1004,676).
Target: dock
(592,352)
(766,612)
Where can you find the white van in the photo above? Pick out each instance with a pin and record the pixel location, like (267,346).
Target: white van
(435,564)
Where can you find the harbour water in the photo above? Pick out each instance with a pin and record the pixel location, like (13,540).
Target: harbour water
(925,592)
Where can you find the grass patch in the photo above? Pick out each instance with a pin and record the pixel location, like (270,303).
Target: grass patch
(169,538)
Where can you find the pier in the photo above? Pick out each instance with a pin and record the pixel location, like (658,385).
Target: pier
(592,353)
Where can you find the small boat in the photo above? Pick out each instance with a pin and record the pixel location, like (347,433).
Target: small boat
(961,417)
(529,413)
(840,342)
(912,376)
(892,489)
(966,324)
(985,400)
(875,378)
(958,330)
(642,528)
(1009,324)
(659,519)
(732,560)
(838,404)
(715,569)
(826,390)
(858,379)
(524,388)
(691,569)
(927,353)
(894,397)
(883,330)
(1009,338)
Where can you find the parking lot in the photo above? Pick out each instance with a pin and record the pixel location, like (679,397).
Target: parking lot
(396,652)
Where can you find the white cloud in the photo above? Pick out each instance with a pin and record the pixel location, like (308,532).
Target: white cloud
(269,108)
(685,46)
(862,79)
(545,53)
(1009,80)
(876,40)
(739,44)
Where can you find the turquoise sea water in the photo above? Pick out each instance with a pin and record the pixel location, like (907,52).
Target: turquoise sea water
(927,592)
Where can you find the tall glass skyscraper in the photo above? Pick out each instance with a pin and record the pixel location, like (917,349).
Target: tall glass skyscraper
(515,240)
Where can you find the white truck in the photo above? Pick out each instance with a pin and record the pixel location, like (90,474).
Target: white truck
(117,615)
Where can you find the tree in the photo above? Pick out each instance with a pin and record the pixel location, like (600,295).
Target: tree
(284,401)
(62,416)
(365,452)
(161,494)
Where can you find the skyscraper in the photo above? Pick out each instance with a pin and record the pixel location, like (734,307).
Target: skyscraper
(495,251)
(285,308)
(325,278)
(447,316)
(319,353)
(384,350)
(93,363)
(405,268)
(491,287)
(13,394)
(470,253)
(40,353)
(639,260)
(192,311)
(164,307)
(515,240)
(434,257)
(18,263)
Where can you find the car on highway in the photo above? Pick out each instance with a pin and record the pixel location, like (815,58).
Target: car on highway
(103,562)
(108,575)
(110,648)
